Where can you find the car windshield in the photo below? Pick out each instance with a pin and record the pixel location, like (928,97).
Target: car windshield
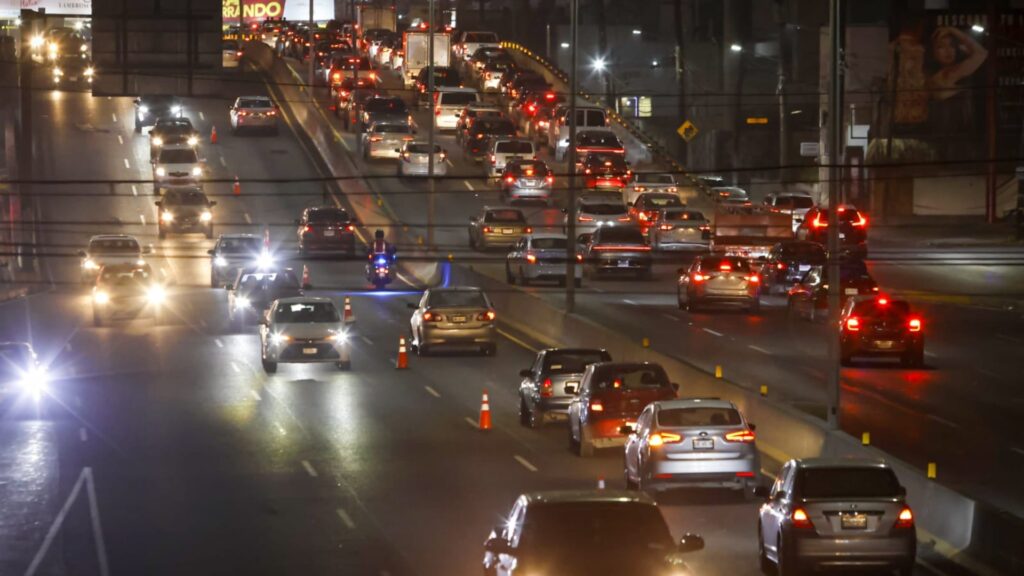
(584,529)
(386,105)
(457,299)
(173,125)
(328,215)
(496,126)
(158,101)
(725,264)
(527,167)
(419,148)
(621,235)
(803,250)
(186,197)
(847,482)
(890,310)
(683,216)
(114,246)
(549,243)
(255,103)
(306,313)
(268,280)
(698,416)
(571,361)
(240,245)
(637,377)
(511,216)
(599,140)
(456,98)
(178,156)
(605,209)
(655,179)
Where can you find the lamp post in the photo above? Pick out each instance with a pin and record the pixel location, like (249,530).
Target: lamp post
(835,158)
(570,214)
(431,123)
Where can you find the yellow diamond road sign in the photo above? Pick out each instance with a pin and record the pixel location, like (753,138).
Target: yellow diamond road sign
(687,131)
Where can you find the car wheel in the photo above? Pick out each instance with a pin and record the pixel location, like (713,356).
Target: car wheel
(524,414)
(269,367)
(508,275)
(346,365)
(585,447)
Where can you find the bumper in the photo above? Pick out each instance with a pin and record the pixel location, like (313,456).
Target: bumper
(256,122)
(492,239)
(346,244)
(126,308)
(376,150)
(186,226)
(884,552)
(175,180)
(446,121)
(605,432)
(724,297)
(882,346)
(623,263)
(435,336)
(525,193)
(417,169)
(732,472)
(308,353)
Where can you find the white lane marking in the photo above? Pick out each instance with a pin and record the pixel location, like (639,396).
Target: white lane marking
(346,519)
(201,115)
(255,395)
(135,190)
(596,289)
(86,478)
(1017,450)
(309,468)
(248,219)
(988,373)
(712,332)
(113,116)
(223,162)
(517,341)
(468,185)
(472,422)
(236,368)
(670,317)
(628,301)
(142,217)
(365,339)
(120,140)
(127,164)
(218,342)
(759,349)
(432,392)
(930,354)
(943,421)
(83,434)
(345,144)
(526,463)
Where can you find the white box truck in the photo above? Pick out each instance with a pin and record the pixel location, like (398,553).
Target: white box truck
(416,46)
(376,17)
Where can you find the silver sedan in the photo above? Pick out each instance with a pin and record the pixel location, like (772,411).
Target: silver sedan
(454,317)
(303,330)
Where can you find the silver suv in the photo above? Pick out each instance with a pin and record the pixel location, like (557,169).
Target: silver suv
(549,386)
(694,442)
(836,513)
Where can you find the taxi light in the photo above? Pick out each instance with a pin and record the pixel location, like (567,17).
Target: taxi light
(596,406)
(853,324)
(801,519)
(662,438)
(488,316)
(531,258)
(905,518)
(546,390)
(914,324)
(744,435)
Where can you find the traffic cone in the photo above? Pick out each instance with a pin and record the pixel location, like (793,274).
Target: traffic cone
(349,317)
(236,188)
(485,413)
(403,356)
(305,275)
(213,135)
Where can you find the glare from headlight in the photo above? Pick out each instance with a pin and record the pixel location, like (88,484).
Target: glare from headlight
(36,41)
(83,48)
(242,302)
(58,72)
(192,140)
(175,109)
(34,381)
(340,337)
(219,261)
(90,265)
(140,262)
(197,171)
(90,71)
(205,217)
(265,260)
(167,217)
(278,338)
(161,171)
(101,297)
(158,141)
(143,110)
(156,294)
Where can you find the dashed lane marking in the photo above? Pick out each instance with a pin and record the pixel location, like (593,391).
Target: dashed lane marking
(120,139)
(346,519)
(309,468)
(432,392)
(236,368)
(255,395)
(759,349)
(468,185)
(135,190)
(712,332)
(517,341)
(113,117)
(526,463)
(83,434)
(942,420)
(223,162)
(248,219)
(671,317)
(472,422)
(142,218)
(201,115)
(628,301)
(127,164)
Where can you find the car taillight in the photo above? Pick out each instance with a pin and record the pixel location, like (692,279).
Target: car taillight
(550,179)
(336,76)
(861,221)
(531,109)
(546,388)
(585,218)
(437,111)
(488,316)
(801,519)
(429,316)
(623,218)
(666,227)
(579,257)
(494,159)
(528,230)
(642,216)
(487,229)
(307,229)
(914,324)
(818,222)
(780,266)
(349,228)
(754,279)
(745,435)
(661,438)
(376,138)
(698,277)
(853,324)
(510,179)
(531,258)
(596,406)
(344,93)
(725,267)
(905,518)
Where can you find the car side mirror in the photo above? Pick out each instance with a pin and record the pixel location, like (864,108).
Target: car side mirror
(526,373)
(690,543)
(497,545)
(626,429)
(761,491)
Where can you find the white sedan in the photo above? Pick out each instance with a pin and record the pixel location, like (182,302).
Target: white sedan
(303,330)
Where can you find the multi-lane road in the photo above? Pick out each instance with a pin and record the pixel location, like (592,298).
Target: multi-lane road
(166,450)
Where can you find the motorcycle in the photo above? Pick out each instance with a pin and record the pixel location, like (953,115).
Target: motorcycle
(378,271)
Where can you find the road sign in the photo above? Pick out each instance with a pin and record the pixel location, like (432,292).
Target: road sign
(810,149)
(687,131)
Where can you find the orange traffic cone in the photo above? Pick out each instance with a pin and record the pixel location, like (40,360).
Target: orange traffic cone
(485,413)
(349,317)
(236,188)
(305,275)
(213,135)
(403,356)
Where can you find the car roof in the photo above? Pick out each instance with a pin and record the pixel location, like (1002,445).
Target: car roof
(693,403)
(489,208)
(826,462)
(237,235)
(444,89)
(600,198)
(456,289)
(304,300)
(265,269)
(113,237)
(595,496)
(547,235)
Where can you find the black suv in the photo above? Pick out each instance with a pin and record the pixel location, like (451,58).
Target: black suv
(383,109)
(185,210)
(853,230)
(152,107)
(879,326)
(617,249)
(788,262)
(478,137)
(171,132)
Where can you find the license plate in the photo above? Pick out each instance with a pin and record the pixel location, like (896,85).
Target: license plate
(854,521)
(703,444)
(328,232)
(458,318)
(507,230)
(309,350)
(623,263)
(572,387)
(850,291)
(883,344)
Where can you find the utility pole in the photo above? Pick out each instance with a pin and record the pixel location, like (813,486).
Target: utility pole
(430,132)
(835,159)
(22,201)
(570,213)
(312,53)
(190,38)
(990,117)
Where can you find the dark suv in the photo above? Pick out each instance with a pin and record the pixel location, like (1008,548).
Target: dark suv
(327,229)
(853,230)
(880,326)
(549,386)
(788,262)
(171,132)
(185,210)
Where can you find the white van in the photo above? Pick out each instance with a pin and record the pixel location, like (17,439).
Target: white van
(502,150)
(448,105)
(558,132)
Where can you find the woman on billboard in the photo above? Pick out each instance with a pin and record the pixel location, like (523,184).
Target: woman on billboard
(954,57)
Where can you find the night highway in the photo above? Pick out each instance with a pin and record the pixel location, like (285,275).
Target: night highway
(164,445)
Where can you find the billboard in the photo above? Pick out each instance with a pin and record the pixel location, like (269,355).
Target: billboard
(10,9)
(247,11)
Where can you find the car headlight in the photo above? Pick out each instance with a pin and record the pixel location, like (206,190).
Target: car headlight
(35,380)
(58,72)
(36,42)
(158,141)
(161,171)
(265,260)
(277,338)
(90,265)
(143,110)
(156,294)
(192,140)
(175,109)
(197,171)
(90,71)
(242,303)
(340,337)
(206,216)
(167,216)
(101,297)
(219,261)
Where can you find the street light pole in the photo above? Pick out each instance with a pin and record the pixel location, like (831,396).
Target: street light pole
(312,52)
(835,154)
(570,212)
(430,131)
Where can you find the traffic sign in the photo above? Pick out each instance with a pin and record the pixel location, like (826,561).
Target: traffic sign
(687,131)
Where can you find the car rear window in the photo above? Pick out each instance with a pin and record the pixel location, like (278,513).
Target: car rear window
(504,216)
(423,148)
(803,250)
(329,215)
(608,209)
(255,103)
(874,309)
(655,179)
(621,234)
(457,299)
(178,156)
(239,245)
(496,126)
(571,362)
(549,243)
(306,313)
(188,197)
(847,482)
(683,216)
(845,215)
(701,416)
(111,246)
(663,201)
(631,378)
(456,98)
(514,148)
(392,129)
(720,263)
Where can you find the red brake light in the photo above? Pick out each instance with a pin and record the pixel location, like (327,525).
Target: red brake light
(905,519)
(861,221)
(510,179)
(349,228)
(307,229)
(725,267)
(528,230)
(661,438)
(429,316)
(754,279)
(744,435)
(596,406)
(642,216)
(487,316)
(883,301)
(818,222)
(549,95)
(666,227)
(801,519)
(914,324)
(545,388)
(780,266)
(487,229)
(336,76)
(853,324)
(698,277)
(550,179)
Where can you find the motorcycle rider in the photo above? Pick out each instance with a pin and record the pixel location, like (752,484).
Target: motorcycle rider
(380,247)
